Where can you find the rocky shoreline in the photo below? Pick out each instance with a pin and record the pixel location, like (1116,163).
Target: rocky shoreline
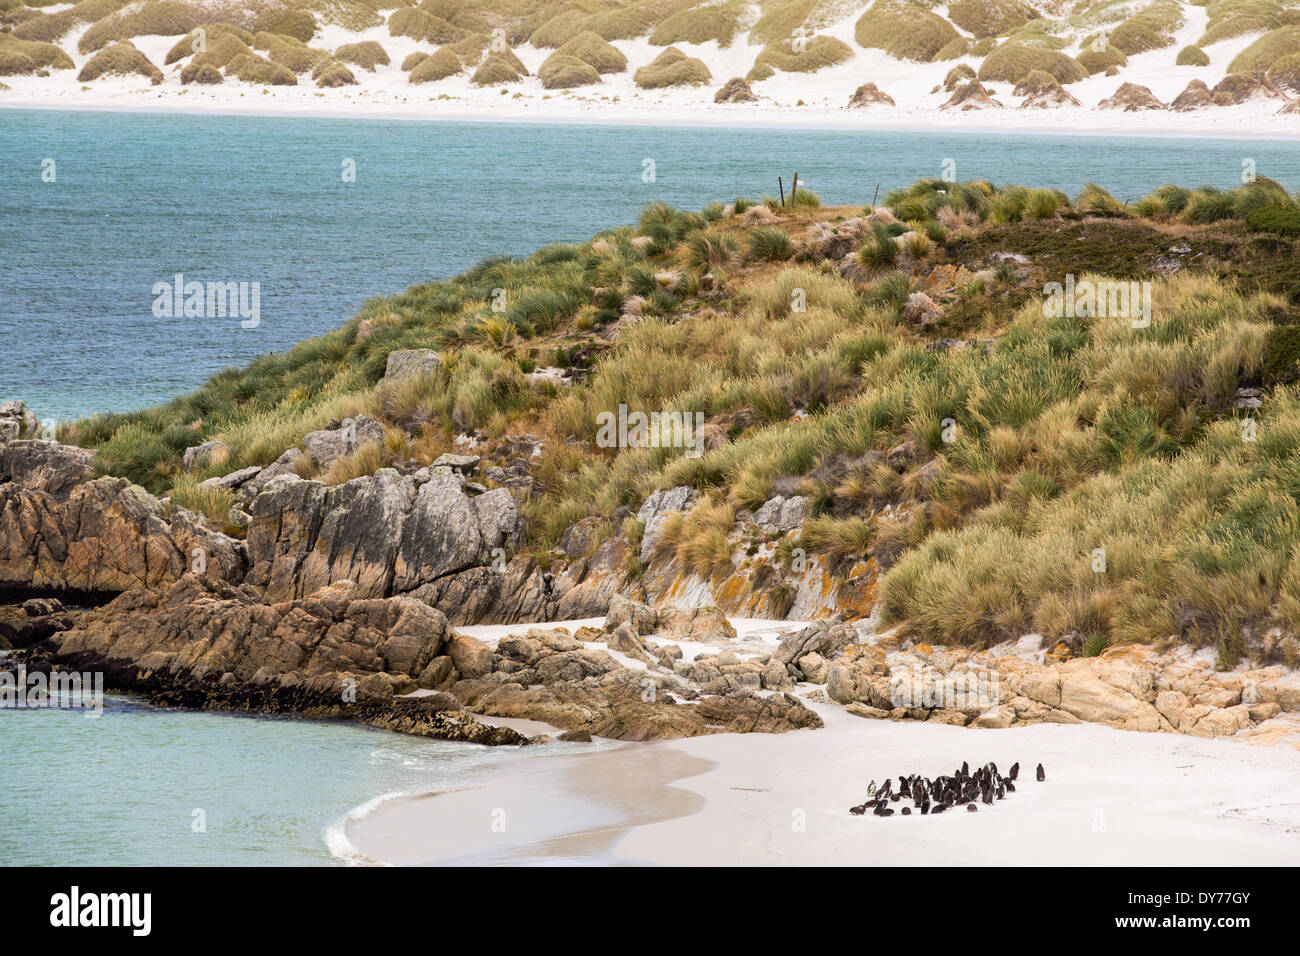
(344,601)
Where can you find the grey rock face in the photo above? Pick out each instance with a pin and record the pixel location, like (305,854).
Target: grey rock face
(411,363)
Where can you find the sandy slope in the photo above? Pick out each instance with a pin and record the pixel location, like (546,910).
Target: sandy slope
(824,94)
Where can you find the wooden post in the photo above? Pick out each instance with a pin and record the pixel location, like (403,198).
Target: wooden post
(874,195)
(794,187)
(780,184)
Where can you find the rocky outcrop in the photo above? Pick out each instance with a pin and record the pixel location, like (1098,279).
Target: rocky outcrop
(868,94)
(656,509)
(1128,687)
(1131,98)
(389,532)
(60,531)
(340,439)
(17,421)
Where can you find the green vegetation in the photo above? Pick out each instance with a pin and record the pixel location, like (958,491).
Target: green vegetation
(413,60)
(806,55)
(156,18)
(252,68)
(1073,432)
(206,35)
(1285,72)
(1234,18)
(366,55)
(590,49)
(299,24)
(700,25)
(1149,29)
(1267,50)
(672,68)
(19,56)
(990,18)
(561,72)
(438,65)
(1192,56)
(905,30)
(1011,63)
(1096,60)
(330,73)
(499,67)
(119,59)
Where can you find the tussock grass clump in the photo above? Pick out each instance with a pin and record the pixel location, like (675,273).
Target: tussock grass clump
(155,18)
(1267,50)
(814,54)
(251,68)
(1275,219)
(957,75)
(905,30)
(672,68)
(1192,56)
(119,59)
(28,56)
(1011,63)
(214,504)
(413,60)
(990,18)
(499,67)
(297,23)
(331,74)
(558,30)
(205,74)
(422,25)
(438,65)
(1234,18)
(769,243)
(1093,200)
(220,50)
(1149,29)
(297,58)
(592,50)
(700,25)
(367,55)
(561,72)
(1096,60)
(204,36)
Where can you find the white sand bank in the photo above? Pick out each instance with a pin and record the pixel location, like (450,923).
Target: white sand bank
(1111,797)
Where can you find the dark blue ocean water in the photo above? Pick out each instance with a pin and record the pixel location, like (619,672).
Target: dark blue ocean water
(139,197)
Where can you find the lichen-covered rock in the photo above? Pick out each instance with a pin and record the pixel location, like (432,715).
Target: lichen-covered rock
(1131,98)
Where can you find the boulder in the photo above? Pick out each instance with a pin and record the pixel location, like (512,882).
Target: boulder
(232,480)
(327,445)
(17,421)
(471,657)
(640,617)
(1237,88)
(654,512)
(411,363)
(781,514)
(201,456)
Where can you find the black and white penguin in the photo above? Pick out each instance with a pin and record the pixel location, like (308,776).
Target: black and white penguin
(871,789)
(907,811)
(971,808)
(925,806)
(1041,775)
(939,808)
(965,769)
(1015,770)
(1011,787)
(858,810)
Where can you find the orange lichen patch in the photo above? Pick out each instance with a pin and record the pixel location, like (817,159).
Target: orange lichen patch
(943,278)
(923,649)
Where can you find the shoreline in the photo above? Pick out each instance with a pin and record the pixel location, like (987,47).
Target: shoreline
(1111,797)
(993,122)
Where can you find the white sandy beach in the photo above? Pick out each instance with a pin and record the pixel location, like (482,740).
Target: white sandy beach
(1112,797)
(788,100)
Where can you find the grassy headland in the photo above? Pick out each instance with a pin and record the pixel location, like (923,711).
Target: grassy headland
(1009,467)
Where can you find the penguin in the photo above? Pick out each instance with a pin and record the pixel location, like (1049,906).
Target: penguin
(894,798)
(1011,787)
(1002,792)
(1015,770)
(904,790)
(987,798)
(1041,774)
(925,806)
(940,808)
(965,769)
(971,808)
(993,768)
(907,811)
(858,810)
(887,812)
(871,789)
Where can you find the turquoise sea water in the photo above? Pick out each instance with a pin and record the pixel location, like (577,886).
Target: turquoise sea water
(139,197)
(126,788)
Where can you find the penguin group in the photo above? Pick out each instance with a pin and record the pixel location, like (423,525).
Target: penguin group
(962,788)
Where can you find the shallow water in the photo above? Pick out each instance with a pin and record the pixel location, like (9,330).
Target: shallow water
(132,786)
(139,197)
